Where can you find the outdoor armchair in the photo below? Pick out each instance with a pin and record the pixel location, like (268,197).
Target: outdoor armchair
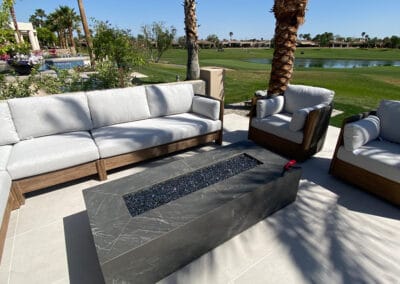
(293,125)
(367,153)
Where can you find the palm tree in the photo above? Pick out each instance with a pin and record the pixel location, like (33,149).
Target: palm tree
(289,16)
(87,32)
(192,67)
(68,20)
(38,19)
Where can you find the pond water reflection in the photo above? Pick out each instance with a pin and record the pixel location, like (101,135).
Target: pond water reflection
(332,63)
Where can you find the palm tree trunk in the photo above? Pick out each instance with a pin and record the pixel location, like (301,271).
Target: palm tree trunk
(87,32)
(289,16)
(14,19)
(192,67)
(71,39)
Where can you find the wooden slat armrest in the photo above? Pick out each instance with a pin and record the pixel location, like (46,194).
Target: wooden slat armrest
(317,120)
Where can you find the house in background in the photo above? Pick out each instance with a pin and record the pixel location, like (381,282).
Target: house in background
(27,31)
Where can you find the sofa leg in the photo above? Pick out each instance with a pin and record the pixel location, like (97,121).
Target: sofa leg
(18,195)
(219,139)
(101,170)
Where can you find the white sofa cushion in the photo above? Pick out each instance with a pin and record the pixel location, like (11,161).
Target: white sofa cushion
(5,152)
(5,186)
(132,136)
(389,114)
(207,107)
(360,132)
(8,135)
(379,157)
(278,124)
(269,107)
(169,99)
(113,106)
(42,116)
(300,96)
(50,153)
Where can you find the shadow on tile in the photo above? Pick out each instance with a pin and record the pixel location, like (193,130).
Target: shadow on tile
(83,264)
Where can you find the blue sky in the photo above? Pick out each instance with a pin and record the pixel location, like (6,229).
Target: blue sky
(245,18)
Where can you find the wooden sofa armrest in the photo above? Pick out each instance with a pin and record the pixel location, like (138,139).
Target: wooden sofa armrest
(316,125)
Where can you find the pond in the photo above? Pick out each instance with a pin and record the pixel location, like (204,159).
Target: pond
(332,63)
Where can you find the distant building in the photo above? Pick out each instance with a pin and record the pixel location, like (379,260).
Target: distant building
(27,30)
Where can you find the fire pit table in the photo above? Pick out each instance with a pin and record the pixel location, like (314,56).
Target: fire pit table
(150,224)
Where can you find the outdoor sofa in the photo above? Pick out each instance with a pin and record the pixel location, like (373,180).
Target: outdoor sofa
(54,139)
(367,153)
(293,124)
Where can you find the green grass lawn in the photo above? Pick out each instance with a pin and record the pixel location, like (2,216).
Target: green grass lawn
(357,89)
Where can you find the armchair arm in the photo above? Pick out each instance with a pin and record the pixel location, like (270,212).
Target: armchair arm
(316,126)
(340,140)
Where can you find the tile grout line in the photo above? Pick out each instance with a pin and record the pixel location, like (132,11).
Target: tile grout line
(12,247)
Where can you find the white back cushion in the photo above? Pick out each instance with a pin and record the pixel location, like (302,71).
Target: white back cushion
(169,99)
(389,114)
(359,133)
(300,96)
(42,116)
(8,135)
(114,106)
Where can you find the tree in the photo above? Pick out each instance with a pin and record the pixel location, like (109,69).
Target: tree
(87,32)
(67,19)
(38,19)
(46,37)
(115,45)
(158,39)
(213,38)
(289,16)
(192,66)
(230,35)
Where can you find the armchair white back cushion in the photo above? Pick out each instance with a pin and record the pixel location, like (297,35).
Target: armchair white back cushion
(114,106)
(8,135)
(267,107)
(359,133)
(300,96)
(169,99)
(42,116)
(389,115)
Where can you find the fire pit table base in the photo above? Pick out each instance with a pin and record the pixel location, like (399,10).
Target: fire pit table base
(146,247)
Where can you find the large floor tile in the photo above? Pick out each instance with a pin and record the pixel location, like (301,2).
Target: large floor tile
(40,256)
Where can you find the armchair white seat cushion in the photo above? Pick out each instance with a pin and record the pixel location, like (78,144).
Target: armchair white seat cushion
(113,106)
(299,117)
(5,152)
(50,153)
(166,100)
(5,186)
(8,134)
(267,107)
(359,133)
(278,124)
(133,136)
(43,116)
(379,157)
(207,107)
(389,115)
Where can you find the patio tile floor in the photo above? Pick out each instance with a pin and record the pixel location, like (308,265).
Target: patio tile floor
(333,233)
